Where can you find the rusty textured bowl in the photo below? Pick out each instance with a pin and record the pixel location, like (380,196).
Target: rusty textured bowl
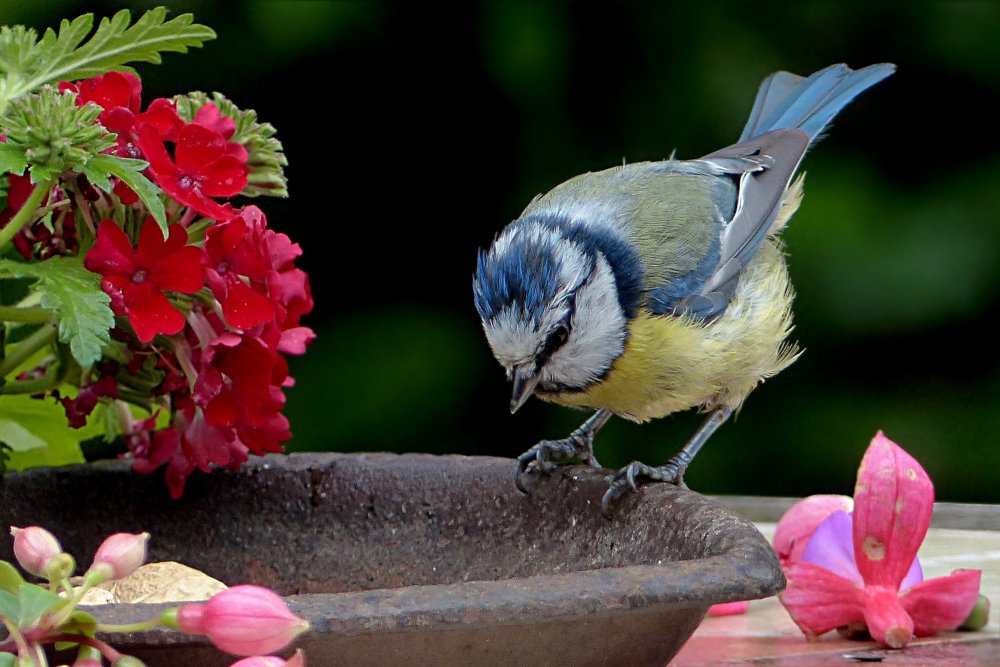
(418,559)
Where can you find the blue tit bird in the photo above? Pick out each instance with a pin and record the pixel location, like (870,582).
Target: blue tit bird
(655,287)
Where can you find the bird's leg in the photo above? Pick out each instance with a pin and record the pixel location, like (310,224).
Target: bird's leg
(579,445)
(634,474)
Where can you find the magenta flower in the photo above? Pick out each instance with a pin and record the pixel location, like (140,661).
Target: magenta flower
(862,567)
(136,279)
(243,620)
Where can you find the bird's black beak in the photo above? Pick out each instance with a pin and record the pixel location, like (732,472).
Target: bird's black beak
(525,381)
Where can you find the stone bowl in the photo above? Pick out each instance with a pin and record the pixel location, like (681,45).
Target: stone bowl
(419,559)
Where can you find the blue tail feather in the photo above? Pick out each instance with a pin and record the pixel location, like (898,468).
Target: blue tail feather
(787,101)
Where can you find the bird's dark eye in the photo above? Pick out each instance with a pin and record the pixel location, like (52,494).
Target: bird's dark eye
(555,340)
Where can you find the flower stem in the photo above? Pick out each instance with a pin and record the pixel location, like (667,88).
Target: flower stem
(27,347)
(138,626)
(15,635)
(50,380)
(36,315)
(27,212)
(109,652)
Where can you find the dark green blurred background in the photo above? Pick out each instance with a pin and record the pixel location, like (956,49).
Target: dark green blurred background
(416,132)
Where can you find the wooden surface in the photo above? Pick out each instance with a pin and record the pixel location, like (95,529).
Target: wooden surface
(767,635)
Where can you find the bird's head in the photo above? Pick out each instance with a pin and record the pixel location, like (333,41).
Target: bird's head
(550,307)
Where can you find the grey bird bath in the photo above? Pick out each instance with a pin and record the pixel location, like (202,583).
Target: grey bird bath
(418,559)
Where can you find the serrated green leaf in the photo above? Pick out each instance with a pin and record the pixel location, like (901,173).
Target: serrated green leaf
(16,437)
(12,159)
(76,297)
(130,172)
(46,420)
(64,56)
(266,158)
(8,660)
(10,578)
(35,601)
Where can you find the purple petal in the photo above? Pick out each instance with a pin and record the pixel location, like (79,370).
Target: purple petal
(913,577)
(832,547)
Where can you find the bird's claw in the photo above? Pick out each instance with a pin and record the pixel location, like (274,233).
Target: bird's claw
(635,474)
(546,452)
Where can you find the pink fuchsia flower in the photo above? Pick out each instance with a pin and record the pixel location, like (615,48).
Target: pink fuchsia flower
(793,531)
(34,548)
(872,578)
(136,279)
(120,555)
(203,167)
(297,660)
(243,620)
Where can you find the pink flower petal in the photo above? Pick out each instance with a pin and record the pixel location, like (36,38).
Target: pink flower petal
(800,521)
(819,600)
(893,501)
(941,603)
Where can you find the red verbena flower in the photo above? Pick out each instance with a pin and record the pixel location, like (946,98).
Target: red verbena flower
(237,270)
(861,568)
(136,279)
(79,408)
(203,167)
(190,443)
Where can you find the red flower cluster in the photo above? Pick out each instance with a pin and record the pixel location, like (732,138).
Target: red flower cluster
(213,320)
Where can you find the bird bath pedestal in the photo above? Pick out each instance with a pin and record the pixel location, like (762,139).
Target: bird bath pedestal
(420,559)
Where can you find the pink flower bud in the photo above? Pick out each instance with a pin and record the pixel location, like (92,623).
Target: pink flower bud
(729,608)
(243,620)
(120,555)
(34,547)
(801,520)
(297,660)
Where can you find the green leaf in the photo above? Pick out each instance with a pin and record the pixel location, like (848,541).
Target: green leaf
(10,605)
(12,159)
(76,297)
(35,601)
(8,660)
(64,56)
(46,420)
(10,578)
(266,158)
(130,172)
(16,437)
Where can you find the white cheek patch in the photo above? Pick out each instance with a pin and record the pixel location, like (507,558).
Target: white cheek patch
(511,337)
(597,333)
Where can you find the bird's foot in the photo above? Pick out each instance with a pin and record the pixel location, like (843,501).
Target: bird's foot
(547,454)
(635,474)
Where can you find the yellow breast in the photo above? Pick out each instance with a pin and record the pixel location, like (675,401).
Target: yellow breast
(673,363)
